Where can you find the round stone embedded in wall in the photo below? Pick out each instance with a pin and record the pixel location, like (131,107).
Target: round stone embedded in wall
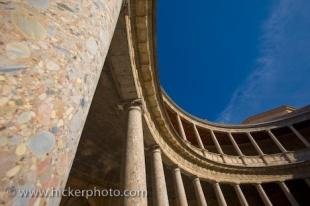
(39,4)
(91,45)
(52,66)
(15,140)
(21,150)
(76,122)
(17,50)
(41,143)
(29,25)
(25,117)
(3,141)
(13,171)
(8,162)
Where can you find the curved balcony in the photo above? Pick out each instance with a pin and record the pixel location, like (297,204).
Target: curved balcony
(266,144)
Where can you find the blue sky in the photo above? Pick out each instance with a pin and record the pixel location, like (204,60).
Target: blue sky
(226,60)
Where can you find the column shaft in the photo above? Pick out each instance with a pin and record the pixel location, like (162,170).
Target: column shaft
(219,194)
(263,195)
(278,143)
(181,128)
(160,195)
(198,137)
(52,55)
(288,194)
(179,188)
(241,196)
(135,176)
(235,145)
(304,140)
(200,197)
(254,143)
(217,144)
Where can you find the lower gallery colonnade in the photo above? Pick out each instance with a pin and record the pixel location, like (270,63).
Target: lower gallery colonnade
(137,177)
(81,107)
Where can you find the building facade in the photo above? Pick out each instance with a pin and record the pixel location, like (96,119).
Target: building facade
(81,107)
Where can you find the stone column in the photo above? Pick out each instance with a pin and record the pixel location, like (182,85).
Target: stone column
(135,174)
(236,147)
(288,194)
(160,195)
(276,141)
(257,148)
(263,195)
(304,140)
(217,144)
(219,194)
(51,57)
(241,196)
(200,197)
(181,128)
(198,137)
(279,145)
(179,187)
(254,143)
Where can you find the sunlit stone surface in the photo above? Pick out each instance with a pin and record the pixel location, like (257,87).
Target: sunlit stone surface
(51,56)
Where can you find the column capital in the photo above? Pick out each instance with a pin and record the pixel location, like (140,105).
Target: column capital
(130,104)
(176,168)
(135,103)
(195,178)
(153,148)
(126,7)
(125,3)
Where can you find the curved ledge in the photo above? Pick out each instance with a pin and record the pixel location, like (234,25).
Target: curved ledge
(289,119)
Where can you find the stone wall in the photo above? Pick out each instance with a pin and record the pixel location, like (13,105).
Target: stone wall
(51,56)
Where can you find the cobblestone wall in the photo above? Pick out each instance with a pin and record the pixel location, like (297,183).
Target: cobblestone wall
(51,55)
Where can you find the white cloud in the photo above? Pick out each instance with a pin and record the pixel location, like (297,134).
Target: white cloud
(282,71)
